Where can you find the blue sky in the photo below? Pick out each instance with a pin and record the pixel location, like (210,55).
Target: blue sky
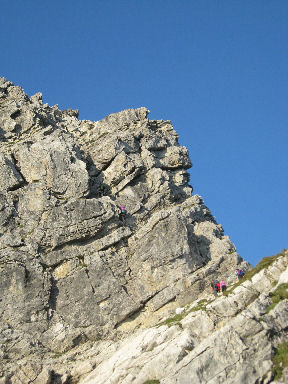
(217,69)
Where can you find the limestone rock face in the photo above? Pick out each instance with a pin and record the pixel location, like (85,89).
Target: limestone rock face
(71,272)
(228,339)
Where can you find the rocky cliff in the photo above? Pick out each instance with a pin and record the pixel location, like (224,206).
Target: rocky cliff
(233,338)
(75,280)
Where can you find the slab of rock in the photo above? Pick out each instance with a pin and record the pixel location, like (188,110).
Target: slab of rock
(202,347)
(71,269)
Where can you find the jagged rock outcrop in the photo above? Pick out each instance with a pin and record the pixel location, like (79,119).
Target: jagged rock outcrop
(70,271)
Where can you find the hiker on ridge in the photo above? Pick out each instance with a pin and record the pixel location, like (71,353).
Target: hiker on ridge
(239,273)
(122,215)
(215,286)
(223,286)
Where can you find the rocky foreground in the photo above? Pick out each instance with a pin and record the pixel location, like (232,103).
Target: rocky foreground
(230,339)
(83,295)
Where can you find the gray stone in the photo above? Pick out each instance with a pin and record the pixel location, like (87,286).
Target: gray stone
(84,289)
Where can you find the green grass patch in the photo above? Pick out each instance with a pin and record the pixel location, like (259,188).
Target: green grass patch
(263,264)
(281,293)
(56,355)
(201,306)
(175,320)
(280,360)
(152,382)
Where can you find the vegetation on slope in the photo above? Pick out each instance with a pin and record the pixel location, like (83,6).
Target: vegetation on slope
(281,293)
(152,382)
(263,264)
(175,320)
(280,360)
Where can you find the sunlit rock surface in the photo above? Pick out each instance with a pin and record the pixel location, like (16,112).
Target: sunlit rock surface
(78,285)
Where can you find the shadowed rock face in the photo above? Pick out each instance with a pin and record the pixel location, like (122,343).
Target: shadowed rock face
(70,270)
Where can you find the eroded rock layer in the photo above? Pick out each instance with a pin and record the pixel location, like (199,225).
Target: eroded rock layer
(70,270)
(229,339)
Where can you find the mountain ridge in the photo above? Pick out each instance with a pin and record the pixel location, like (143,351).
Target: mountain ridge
(73,269)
